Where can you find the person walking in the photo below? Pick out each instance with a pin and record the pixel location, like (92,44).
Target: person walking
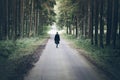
(57,39)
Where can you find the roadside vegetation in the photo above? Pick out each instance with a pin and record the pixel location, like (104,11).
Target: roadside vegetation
(95,28)
(23,27)
(107,58)
(17,57)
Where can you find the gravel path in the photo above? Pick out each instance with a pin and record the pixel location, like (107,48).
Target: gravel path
(63,63)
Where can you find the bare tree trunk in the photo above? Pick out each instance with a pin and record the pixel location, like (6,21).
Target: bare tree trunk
(1,19)
(109,21)
(4,23)
(101,24)
(22,18)
(115,22)
(89,23)
(31,19)
(96,21)
(76,24)
(90,19)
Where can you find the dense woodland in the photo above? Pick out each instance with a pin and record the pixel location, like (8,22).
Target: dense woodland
(25,18)
(23,24)
(97,20)
(94,26)
(23,27)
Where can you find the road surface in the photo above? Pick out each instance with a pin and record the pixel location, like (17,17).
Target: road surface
(63,63)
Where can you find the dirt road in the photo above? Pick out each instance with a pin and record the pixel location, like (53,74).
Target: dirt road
(63,63)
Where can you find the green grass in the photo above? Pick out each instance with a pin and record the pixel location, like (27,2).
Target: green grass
(108,58)
(13,54)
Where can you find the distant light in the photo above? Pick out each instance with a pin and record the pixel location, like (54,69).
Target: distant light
(53,30)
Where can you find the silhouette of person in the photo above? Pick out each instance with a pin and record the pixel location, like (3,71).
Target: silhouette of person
(57,39)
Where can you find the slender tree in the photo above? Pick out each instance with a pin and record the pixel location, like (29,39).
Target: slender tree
(109,21)
(90,19)
(101,24)
(96,21)
(115,22)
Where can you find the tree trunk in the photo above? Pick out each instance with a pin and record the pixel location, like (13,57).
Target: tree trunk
(101,24)
(89,14)
(90,21)
(96,21)
(115,22)
(1,19)
(76,26)
(69,28)
(22,18)
(109,22)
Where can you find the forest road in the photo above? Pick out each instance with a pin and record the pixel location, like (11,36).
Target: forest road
(63,63)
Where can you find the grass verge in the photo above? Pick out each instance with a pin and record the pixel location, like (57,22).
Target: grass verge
(16,58)
(107,59)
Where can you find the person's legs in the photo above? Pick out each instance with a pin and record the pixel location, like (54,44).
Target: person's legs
(56,45)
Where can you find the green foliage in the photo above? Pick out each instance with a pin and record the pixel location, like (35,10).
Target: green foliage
(6,48)
(27,19)
(108,57)
(14,54)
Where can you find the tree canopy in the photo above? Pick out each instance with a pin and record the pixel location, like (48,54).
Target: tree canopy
(97,20)
(25,18)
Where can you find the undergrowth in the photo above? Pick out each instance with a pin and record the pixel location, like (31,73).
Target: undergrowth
(107,57)
(14,54)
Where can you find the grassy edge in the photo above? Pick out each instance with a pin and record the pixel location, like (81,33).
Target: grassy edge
(17,64)
(86,52)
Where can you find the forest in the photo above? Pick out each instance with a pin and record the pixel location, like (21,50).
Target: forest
(94,25)
(98,20)
(19,18)
(23,28)
(26,22)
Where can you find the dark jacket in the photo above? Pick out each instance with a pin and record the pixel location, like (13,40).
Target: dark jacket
(57,38)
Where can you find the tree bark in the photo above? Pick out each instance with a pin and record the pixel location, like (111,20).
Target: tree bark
(96,21)
(109,22)
(90,11)
(101,24)
(115,22)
